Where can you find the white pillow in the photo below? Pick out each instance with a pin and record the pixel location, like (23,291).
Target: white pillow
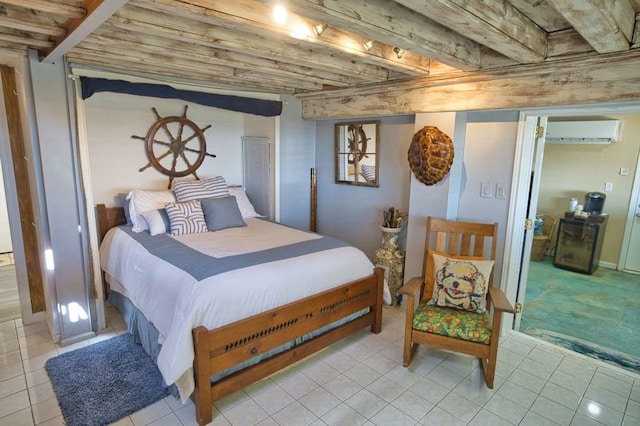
(141,200)
(158,221)
(246,208)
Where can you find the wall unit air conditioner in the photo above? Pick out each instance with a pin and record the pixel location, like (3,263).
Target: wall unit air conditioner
(582,132)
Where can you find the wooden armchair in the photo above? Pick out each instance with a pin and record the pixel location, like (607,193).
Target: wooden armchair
(461,245)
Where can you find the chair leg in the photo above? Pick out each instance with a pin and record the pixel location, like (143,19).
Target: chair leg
(409,349)
(489,371)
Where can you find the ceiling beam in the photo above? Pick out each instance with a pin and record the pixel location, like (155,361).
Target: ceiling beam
(254,40)
(27,41)
(98,11)
(596,79)
(48,6)
(391,23)
(493,23)
(636,35)
(108,33)
(257,17)
(566,43)
(542,13)
(30,26)
(606,25)
(173,26)
(126,64)
(193,59)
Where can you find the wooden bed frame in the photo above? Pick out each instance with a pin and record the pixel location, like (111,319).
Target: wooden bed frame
(221,348)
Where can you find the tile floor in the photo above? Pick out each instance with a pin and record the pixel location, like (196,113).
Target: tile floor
(360,381)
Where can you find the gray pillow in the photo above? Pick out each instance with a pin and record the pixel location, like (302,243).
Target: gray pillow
(222,213)
(121,201)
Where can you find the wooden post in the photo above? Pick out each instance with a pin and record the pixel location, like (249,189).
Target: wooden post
(378,273)
(314,200)
(202,393)
(23,189)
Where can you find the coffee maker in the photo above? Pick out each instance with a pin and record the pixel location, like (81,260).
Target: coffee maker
(594,203)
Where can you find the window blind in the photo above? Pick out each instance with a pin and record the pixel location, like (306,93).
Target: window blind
(256,156)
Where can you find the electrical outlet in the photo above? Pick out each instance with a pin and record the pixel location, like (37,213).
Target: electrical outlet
(624,171)
(500,192)
(486,189)
(608,186)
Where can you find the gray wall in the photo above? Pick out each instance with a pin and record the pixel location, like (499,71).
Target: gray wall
(354,213)
(489,154)
(297,157)
(485,149)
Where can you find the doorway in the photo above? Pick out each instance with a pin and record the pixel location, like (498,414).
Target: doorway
(529,198)
(9,299)
(630,254)
(18,196)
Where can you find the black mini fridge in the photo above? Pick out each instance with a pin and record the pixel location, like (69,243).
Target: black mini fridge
(579,243)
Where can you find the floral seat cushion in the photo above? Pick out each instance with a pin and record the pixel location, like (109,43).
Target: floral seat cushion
(450,322)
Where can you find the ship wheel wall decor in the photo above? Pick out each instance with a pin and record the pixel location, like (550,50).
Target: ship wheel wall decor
(357,140)
(175,146)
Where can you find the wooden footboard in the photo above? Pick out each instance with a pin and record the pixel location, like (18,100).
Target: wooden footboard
(219,349)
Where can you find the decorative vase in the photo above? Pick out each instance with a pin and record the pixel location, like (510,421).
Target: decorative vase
(391,258)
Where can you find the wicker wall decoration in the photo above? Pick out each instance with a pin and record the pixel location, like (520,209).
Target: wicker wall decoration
(430,155)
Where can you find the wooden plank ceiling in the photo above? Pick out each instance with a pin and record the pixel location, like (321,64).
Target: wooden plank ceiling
(322,45)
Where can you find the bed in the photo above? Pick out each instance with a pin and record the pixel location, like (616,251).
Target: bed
(231,323)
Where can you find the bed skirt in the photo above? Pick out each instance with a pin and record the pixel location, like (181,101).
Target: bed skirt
(146,334)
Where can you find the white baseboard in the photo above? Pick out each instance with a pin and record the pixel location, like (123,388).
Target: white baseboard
(608,265)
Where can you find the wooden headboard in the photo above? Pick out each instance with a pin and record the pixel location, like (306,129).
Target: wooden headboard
(108,217)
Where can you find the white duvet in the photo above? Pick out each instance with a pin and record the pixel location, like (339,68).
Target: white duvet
(175,302)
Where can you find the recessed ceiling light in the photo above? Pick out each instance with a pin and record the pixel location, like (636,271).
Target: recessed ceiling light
(280,14)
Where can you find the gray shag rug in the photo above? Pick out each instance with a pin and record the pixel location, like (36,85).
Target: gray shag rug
(104,382)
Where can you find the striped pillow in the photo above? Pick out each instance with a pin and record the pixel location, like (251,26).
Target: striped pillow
(186,218)
(369,173)
(209,188)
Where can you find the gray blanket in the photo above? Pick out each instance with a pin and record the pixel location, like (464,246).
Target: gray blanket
(201,266)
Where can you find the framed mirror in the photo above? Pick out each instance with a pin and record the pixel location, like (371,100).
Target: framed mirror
(358,153)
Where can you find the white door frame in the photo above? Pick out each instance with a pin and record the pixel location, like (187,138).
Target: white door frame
(535,145)
(634,203)
(521,179)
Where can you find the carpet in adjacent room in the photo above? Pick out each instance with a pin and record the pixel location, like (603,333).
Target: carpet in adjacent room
(104,382)
(598,315)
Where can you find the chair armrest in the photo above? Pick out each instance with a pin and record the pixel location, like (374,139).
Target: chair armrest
(499,300)
(412,287)
(413,290)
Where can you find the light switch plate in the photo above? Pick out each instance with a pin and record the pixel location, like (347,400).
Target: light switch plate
(500,192)
(486,189)
(608,186)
